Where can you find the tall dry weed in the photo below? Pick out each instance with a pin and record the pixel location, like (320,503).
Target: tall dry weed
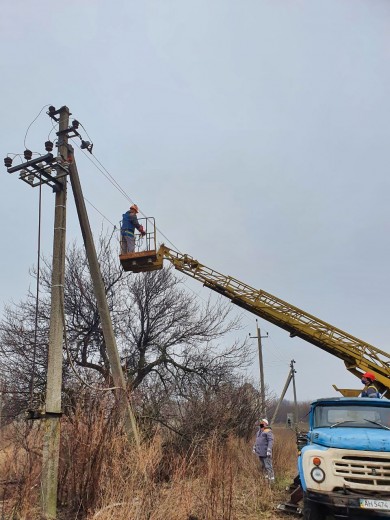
(105,477)
(20,469)
(214,481)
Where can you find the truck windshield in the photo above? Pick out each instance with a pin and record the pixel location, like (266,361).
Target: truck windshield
(351,416)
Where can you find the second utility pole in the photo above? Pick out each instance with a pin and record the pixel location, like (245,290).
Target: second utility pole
(263,408)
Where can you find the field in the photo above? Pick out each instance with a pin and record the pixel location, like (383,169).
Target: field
(103,477)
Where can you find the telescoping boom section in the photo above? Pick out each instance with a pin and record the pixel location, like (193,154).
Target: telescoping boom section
(358,356)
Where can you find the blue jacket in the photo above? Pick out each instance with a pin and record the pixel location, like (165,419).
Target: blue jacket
(264,442)
(129,224)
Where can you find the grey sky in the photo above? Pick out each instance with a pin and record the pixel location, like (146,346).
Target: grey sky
(256,132)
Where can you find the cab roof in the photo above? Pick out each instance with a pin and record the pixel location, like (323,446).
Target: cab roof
(351,401)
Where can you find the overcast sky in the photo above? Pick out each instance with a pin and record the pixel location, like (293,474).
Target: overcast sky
(255,132)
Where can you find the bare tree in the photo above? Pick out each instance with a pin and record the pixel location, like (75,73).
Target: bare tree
(164,334)
(165,331)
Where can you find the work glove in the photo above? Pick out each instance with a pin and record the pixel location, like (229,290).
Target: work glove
(142,231)
(269,453)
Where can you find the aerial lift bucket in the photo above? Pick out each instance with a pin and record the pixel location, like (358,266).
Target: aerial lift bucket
(145,257)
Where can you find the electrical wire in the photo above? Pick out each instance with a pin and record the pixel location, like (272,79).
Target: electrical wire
(83,127)
(53,128)
(279,357)
(96,209)
(104,171)
(117,186)
(32,122)
(32,383)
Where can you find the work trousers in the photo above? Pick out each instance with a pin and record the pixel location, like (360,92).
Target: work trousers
(127,244)
(267,466)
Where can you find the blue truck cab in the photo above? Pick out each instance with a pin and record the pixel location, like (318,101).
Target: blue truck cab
(344,468)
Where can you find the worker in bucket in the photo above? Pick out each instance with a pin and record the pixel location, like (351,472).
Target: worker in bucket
(369,390)
(263,449)
(129,225)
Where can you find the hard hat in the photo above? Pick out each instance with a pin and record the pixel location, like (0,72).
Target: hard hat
(370,376)
(134,207)
(264,421)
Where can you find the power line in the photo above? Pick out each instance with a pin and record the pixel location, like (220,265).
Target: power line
(95,208)
(32,122)
(103,170)
(117,186)
(280,357)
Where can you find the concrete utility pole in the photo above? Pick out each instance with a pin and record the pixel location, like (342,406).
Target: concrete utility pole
(290,377)
(296,418)
(51,442)
(36,172)
(263,408)
(288,381)
(100,295)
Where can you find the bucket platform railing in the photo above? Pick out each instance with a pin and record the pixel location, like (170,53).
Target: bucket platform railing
(145,257)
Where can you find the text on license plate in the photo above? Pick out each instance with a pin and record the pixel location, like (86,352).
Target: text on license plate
(383,505)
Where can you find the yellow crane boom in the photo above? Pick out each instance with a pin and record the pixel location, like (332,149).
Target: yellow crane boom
(358,356)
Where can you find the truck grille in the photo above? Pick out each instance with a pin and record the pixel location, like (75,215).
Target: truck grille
(369,472)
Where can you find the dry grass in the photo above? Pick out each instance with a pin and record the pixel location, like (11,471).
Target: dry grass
(20,467)
(103,477)
(219,481)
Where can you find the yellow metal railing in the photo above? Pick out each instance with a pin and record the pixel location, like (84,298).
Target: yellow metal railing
(148,242)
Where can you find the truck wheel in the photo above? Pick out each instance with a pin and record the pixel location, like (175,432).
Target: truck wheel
(313,511)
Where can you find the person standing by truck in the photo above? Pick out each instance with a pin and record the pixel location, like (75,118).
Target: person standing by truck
(263,449)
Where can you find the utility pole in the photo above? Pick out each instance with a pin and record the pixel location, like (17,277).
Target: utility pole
(293,371)
(263,409)
(51,442)
(36,172)
(290,377)
(287,384)
(100,295)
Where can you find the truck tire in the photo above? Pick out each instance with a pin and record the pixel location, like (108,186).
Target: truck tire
(313,511)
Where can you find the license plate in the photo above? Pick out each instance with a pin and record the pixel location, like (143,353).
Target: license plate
(382,505)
